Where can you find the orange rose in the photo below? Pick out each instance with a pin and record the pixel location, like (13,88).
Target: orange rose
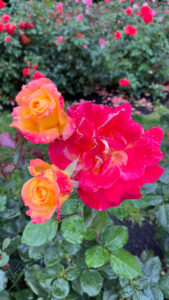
(40,116)
(46,191)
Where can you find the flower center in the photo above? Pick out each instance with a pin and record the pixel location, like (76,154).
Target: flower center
(39,102)
(40,194)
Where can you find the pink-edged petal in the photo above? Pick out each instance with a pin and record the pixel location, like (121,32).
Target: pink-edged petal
(30,88)
(37,166)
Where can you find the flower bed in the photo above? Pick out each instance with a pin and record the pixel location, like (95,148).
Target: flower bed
(79,44)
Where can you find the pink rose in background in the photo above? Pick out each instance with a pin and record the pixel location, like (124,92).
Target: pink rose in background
(59,8)
(80,17)
(7,39)
(101,42)
(5,18)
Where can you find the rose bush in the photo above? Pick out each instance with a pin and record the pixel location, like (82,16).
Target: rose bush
(66,47)
(69,250)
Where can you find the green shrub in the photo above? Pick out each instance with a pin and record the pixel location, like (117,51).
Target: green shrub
(76,65)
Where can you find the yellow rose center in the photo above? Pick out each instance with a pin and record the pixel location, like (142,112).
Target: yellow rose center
(39,102)
(40,194)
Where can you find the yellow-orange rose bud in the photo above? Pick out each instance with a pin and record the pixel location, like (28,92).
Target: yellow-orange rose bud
(46,191)
(40,116)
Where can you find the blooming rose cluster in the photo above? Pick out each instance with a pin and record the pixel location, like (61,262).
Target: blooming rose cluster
(146,14)
(115,155)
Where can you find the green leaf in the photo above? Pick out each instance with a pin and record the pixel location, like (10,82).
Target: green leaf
(165,176)
(73,229)
(153,293)
(115,237)
(70,169)
(60,288)
(36,252)
(96,257)
(89,235)
(53,255)
(108,272)
(70,249)
(95,220)
(118,212)
(128,291)
(32,281)
(3,280)
(23,252)
(4,259)
(39,234)
(3,202)
(6,243)
(76,286)
(142,282)
(152,269)
(45,281)
(25,294)
(70,206)
(162,215)
(91,282)
(164,285)
(5,296)
(150,188)
(125,264)
(55,271)
(138,295)
(110,295)
(73,273)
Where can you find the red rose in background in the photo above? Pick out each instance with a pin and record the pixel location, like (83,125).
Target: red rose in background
(25,40)
(38,75)
(26,71)
(116,156)
(80,35)
(124,82)
(2,4)
(7,39)
(145,10)
(5,18)
(117,35)
(147,18)
(59,8)
(26,25)
(128,11)
(10,28)
(130,30)
(146,14)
